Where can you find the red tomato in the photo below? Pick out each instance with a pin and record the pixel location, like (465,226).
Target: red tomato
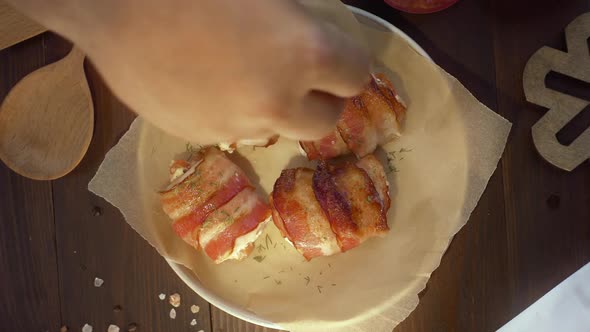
(420,6)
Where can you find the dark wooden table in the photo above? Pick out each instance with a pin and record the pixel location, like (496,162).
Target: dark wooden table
(530,230)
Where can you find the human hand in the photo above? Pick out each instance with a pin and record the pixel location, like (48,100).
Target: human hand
(217,70)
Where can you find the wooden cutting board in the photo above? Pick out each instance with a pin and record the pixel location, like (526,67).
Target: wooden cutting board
(15,27)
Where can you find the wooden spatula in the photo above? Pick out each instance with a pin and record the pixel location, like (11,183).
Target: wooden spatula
(47,120)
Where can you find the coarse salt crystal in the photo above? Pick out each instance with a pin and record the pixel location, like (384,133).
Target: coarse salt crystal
(193,322)
(172,313)
(113,328)
(195,308)
(87,328)
(162,296)
(98,282)
(174,300)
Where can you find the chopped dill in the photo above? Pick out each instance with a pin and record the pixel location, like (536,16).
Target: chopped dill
(394,156)
(320,289)
(226,215)
(391,156)
(393,169)
(308,280)
(278,282)
(259,258)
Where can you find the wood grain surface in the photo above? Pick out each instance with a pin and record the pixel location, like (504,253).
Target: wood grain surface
(530,230)
(28,265)
(547,209)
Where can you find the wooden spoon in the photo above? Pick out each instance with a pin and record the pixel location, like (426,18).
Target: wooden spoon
(47,120)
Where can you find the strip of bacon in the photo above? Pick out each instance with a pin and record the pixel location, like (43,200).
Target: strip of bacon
(215,181)
(299,216)
(357,129)
(230,231)
(349,198)
(277,220)
(384,108)
(336,207)
(187,224)
(326,148)
(367,211)
(310,149)
(387,89)
(376,172)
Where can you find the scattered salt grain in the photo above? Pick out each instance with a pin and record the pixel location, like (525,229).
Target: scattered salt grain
(193,322)
(86,328)
(113,328)
(174,300)
(172,313)
(98,282)
(195,309)
(162,296)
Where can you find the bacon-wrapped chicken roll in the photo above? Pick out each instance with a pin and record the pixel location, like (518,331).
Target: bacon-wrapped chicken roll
(332,209)
(370,119)
(213,205)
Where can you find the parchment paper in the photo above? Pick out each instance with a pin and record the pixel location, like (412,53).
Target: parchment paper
(437,171)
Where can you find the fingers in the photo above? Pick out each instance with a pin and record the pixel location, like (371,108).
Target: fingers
(341,67)
(313,118)
(335,68)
